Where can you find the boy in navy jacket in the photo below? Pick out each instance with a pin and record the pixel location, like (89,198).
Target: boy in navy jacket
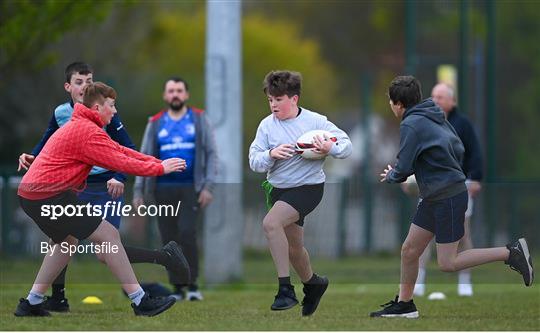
(431,150)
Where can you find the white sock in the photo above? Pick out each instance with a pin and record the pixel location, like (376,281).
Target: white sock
(137,296)
(421,276)
(464,277)
(35,298)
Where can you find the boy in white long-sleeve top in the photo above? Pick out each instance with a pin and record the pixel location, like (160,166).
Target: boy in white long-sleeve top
(294,185)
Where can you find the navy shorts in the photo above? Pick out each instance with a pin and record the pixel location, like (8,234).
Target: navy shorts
(97,195)
(303,198)
(444,217)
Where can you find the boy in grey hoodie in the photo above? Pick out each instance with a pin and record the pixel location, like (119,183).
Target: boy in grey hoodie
(431,150)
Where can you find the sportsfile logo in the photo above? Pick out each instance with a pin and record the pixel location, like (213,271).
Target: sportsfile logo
(110,208)
(71,249)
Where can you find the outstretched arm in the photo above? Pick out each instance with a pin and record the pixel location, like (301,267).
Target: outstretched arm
(102,151)
(409,149)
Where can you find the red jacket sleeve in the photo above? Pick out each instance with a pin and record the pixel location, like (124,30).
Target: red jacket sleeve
(102,151)
(137,155)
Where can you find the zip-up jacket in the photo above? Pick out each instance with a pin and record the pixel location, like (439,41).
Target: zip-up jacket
(431,149)
(68,156)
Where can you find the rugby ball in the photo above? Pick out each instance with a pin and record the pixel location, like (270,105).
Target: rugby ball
(305,144)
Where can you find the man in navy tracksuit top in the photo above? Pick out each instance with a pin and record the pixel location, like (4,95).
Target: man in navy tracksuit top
(102,185)
(431,150)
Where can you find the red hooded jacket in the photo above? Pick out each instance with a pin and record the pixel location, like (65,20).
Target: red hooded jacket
(67,158)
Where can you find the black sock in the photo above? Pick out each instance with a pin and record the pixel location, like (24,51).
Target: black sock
(284,281)
(59,285)
(313,280)
(178,288)
(140,255)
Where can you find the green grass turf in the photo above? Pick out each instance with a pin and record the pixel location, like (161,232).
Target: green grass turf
(358,286)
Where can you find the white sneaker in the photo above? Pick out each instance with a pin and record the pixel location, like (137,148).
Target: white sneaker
(465,289)
(419,289)
(178,297)
(194,296)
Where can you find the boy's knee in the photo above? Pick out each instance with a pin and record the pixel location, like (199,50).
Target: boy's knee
(447,266)
(269,225)
(109,232)
(410,252)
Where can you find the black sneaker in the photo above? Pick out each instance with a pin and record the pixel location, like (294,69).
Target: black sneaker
(176,261)
(285,298)
(24,309)
(395,309)
(313,293)
(151,306)
(55,304)
(520,260)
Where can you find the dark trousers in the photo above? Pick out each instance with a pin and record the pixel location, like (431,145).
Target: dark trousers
(182,228)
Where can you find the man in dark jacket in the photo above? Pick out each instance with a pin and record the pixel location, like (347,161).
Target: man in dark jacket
(431,150)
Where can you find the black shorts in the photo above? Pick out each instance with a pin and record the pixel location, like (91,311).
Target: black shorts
(444,218)
(303,198)
(58,229)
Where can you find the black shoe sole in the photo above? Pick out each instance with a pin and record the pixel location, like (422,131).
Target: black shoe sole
(159,310)
(19,314)
(274,308)
(177,254)
(30,315)
(409,315)
(316,305)
(60,310)
(528,259)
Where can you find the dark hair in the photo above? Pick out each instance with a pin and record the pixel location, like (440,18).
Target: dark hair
(96,93)
(177,79)
(405,89)
(279,83)
(77,67)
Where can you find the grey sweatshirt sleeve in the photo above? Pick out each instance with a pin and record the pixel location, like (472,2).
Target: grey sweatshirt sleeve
(343,146)
(138,187)
(211,171)
(409,148)
(259,151)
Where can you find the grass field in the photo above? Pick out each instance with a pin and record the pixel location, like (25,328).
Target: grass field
(358,286)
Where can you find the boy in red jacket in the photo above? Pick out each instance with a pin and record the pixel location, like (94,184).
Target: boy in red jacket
(58,172)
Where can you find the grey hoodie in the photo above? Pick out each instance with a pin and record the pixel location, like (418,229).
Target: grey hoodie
(431,149)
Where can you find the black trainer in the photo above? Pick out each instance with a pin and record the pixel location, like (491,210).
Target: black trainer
(313,293)
(56,304)
(176,261)
(24,309)
(285,298)
(395,309)
(151,306)
(520,260)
